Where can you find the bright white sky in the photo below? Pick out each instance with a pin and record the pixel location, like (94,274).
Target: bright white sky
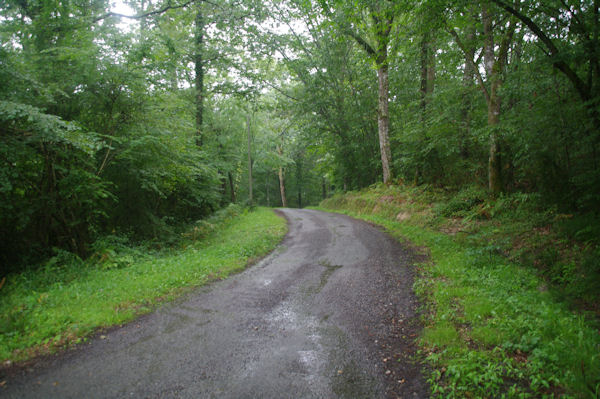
(118,6)
(125,24)
(130,25)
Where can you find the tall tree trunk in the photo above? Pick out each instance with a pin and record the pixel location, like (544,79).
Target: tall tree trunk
(281,178)
(383,121)
(424,76)
(223,190)
(231,187)
(282,187)
(199,69)
(299,180)
(593,83)
(431,70)
(267,189)
(494,69)
(173,81)
(250,199)
(427,83)
(383,20)
(222,178)
(494,162)
(467,88)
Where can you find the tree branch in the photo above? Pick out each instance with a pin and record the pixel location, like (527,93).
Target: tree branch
(470,61)
(279,90)
(162,10)
(366,46)
(580,86)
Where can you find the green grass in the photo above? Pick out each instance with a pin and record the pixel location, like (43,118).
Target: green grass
(64,301)
(492,327)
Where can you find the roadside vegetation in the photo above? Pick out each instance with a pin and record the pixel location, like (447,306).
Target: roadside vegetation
(510,289)
(121,121)
(61,302)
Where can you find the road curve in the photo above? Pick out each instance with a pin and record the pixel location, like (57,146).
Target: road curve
(329,314)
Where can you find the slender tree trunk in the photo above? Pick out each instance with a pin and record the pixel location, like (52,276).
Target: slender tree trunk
(466,112)
(250,199)
(223,188)
(282,187)
(222,178)
(383,21)
(493,70)
(231,187)
(173,71)
(324,188)
(433,155)
(593,85)
(384,122)
(431,71)
(424,76)
(199,69)
(427,74)
(467,103)
(267,189)
(494,162)
(281,176)
(299,180)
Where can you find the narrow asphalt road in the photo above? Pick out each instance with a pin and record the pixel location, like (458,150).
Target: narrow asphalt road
(330,314)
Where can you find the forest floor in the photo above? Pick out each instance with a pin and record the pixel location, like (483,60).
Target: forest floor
(328,314)
(510,289)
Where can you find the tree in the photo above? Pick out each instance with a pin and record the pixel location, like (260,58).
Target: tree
(199,69)
(379,21)
(495,60)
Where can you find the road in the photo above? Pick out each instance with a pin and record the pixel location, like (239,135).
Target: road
(329,314)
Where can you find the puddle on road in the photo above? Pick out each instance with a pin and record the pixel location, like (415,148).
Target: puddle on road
(177,322)
(283,316)
(353,383)
(308,358)
(309,290)
(329,270)
(349,378)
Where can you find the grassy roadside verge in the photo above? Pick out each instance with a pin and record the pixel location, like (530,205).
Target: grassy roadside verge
(65,300)
(493,327)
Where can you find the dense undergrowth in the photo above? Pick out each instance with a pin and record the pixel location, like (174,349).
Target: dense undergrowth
(63,301)
(510,291)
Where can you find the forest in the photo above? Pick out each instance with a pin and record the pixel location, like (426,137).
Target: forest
(131,124)
(123,123)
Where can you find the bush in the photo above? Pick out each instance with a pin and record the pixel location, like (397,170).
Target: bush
(462,203)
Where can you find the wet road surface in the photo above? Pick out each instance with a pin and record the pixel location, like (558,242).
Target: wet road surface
(329,314)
